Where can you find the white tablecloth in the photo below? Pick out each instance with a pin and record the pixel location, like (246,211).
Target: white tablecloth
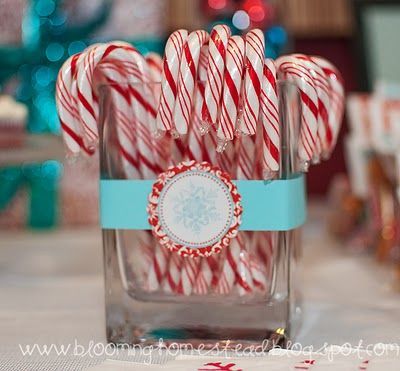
(51,289)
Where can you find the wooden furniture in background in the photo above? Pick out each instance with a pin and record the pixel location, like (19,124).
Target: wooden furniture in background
(316,18)
(185,14)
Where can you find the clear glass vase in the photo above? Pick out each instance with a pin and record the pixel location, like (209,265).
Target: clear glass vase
(143,306)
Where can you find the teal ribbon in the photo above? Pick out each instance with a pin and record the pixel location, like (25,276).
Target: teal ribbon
(278,205)
(42,182)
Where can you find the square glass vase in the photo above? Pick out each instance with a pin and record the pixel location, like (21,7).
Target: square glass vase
(246,294)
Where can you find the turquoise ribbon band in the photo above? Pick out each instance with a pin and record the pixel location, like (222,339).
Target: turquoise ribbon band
(278,205)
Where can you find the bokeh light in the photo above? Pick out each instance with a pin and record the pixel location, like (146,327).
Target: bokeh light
(42,76)
(76,47)
(45,7)
(241,20)
(217,4)
(54,52)
(277,35)
(256,13)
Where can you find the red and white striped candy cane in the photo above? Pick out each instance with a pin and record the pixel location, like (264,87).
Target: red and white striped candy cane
(122,108)
(67,106)
(155,62)
(169,79)
(126,126)
(246,169)
(193,269)
(217,45)
(188,275)
(182,272)
(161,144)
(159,256)
(187,79)
(254,62)
(236,270)
(87,99)
(262,258)
(171,280)
(295,70)
(143,106)
(269,117)
(337,98)
(200,275)
(234,260)
(151,151)
(323,89)
(233,76)
(195,149)
(158,268)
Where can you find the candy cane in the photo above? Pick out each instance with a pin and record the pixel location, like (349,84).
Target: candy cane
(336,98)
(87,100)
(195,150)
(159,256)
(158,268)
(269,116)
(169,79)
(322,87)
(125,127)
(66,106)
(143,105)
(172,276)
(122,108)
(233,76)
(155,62)
(188,275)
(186,80)
(255,46)
(199,276)
(295,70)
(215,73)
(236,271)
(261,260)
(246,151)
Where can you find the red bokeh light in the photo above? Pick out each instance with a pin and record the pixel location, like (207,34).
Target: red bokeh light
(217,4)
(256,13)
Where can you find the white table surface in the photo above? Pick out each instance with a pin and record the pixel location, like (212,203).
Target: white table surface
(52,292)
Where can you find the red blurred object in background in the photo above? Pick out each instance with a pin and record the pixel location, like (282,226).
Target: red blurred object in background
(217,4)
(218,8)
(261,12)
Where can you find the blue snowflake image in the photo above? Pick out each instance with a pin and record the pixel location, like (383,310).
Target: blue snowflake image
(195,208)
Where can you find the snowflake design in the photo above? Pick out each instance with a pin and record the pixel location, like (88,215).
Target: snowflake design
(195,208)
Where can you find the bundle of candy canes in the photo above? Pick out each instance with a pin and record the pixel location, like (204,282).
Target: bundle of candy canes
(213,97)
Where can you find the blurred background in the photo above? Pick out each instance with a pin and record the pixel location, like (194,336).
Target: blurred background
(36,36)
(39,189)
(51,276)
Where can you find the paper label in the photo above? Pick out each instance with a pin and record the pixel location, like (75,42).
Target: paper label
(194,209)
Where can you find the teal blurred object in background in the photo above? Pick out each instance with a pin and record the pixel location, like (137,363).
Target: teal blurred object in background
(47,41)
(51,31)
(42,181)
